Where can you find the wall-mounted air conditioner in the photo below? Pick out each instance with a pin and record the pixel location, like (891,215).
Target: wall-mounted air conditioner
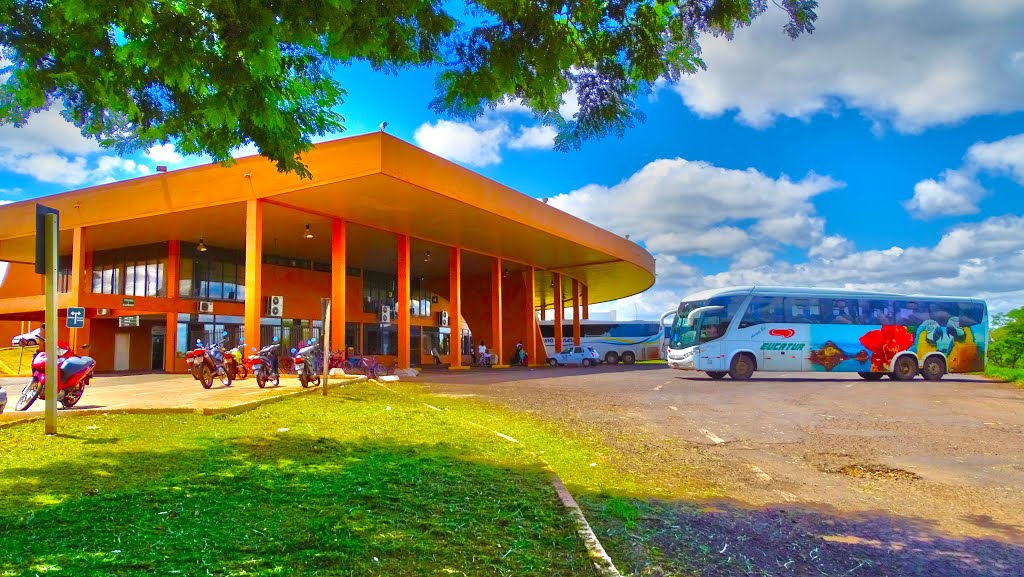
(442,318)
(205,307)
(385,314)
(275,306)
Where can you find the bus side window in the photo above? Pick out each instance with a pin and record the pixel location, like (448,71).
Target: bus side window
(763,310)
(970,313)
(840,314)
(910,313)
(803,310)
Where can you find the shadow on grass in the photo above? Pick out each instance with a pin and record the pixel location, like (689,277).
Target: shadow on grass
(285,504)
(722,538)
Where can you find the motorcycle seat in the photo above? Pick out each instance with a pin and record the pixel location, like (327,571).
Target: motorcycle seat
(75,365)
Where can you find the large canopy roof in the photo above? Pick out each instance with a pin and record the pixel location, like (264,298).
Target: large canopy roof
(374,180)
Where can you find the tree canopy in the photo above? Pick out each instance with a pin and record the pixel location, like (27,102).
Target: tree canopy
(214,75)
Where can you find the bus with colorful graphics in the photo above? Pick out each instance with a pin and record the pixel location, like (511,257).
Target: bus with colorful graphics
(736,331)
(614,341)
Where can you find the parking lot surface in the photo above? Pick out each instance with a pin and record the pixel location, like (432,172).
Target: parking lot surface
(947,453)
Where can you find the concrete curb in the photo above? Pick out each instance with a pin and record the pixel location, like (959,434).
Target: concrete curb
(235,409)
(599,559)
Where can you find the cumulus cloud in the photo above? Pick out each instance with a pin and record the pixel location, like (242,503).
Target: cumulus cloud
(913,64)
(534,137)
(679,206)
(52,150)
(463,142)
(958,191)
(164,153)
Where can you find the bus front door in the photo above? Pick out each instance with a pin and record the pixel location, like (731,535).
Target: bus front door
(711,356)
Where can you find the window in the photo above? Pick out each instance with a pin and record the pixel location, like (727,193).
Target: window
(802,310)
(133,271)
(875,312)
(379,289)
(216,274)
(763,310)
(419,298)
(352,337)
(380,339)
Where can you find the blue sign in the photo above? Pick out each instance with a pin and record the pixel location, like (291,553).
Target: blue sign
(76,317)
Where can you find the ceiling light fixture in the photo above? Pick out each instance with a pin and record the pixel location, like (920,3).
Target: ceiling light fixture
(505,274)
(201,247)
(309,233)
(427,258)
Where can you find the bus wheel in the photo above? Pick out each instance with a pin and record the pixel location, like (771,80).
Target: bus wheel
(905,368)
(742,367)
(716,374)
(611,357)
(628,357)
(871,376)
(934,367)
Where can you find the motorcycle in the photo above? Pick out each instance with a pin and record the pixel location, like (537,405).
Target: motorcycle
(236,365)
(207,363)
(264,365)
(75,374)
(308,364)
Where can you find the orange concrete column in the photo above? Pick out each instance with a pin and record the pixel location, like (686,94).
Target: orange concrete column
(559,312)
(586,302)
(576,312)
(77,280)
(172,273)
(496,330)
(77,283)
(530,342)
(402,314)
(253,271)
(338,279)
(455,298)
(170,342)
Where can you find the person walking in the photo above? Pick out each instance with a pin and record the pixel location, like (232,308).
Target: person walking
(433,353)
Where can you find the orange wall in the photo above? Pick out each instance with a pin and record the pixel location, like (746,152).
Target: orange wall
(513,316)
(21,280)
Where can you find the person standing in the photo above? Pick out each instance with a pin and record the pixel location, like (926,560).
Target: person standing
(482,353)
(434,353)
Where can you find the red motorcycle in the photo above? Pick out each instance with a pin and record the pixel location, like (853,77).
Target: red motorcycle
(207,362)
(75,374)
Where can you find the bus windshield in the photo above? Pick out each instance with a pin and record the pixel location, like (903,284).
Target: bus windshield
(683,335)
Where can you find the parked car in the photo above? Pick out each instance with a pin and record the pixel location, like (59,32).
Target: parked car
(585,356)
(29,339)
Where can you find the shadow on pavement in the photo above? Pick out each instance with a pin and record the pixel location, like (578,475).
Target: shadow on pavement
(724,538)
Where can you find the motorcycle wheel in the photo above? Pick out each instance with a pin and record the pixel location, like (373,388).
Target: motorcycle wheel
(276,378)
(205,376)
(28,396)
(242,372)
(261,381)
(72,397)
(303,379)
(316,380)
(225,376)
(194,370)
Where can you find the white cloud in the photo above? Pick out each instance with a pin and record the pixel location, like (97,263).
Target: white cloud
(680,206)
(913,64)
(164,153)
(958,191)
(463,142)
(2,202)
(1006,155)
(540,136)
(52,150)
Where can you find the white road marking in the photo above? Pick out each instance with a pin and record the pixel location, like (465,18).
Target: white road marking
(760,474)
(788,496)
(714,438)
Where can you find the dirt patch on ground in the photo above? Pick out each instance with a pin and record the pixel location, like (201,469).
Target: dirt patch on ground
(877,472)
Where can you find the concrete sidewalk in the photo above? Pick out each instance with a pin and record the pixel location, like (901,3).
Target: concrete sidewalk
(159,393)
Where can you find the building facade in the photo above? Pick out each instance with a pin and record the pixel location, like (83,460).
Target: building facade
(422,252)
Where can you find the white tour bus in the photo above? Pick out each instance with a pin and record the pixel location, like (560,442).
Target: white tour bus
(614,341)
(735,331)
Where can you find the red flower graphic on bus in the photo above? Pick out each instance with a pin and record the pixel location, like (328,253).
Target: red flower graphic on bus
(885,343)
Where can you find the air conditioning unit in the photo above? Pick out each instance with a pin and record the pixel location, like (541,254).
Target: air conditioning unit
(442,318)
(385,314)
(205,307)
(275,306)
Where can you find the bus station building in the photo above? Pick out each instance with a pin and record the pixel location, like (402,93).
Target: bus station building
(422,253)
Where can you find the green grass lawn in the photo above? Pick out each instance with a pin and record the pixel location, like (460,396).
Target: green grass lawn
(1009,375)
(363,482)
(9,360)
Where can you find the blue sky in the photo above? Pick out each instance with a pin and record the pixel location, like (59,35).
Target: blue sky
(885,151)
